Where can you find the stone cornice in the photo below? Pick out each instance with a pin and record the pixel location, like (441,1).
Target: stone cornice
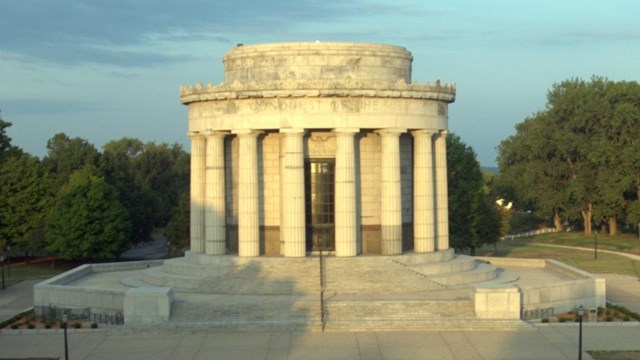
(318,88)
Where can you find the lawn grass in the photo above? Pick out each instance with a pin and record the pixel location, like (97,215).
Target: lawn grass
(531,248)
(615,355)
(17,272)
(623,242)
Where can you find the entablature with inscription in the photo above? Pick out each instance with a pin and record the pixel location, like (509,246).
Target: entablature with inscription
(318,88)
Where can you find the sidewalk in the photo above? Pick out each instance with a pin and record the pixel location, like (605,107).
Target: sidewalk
(558,341)
(621,289)
(16,298)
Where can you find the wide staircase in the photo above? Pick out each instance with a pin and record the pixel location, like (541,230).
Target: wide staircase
(365,293)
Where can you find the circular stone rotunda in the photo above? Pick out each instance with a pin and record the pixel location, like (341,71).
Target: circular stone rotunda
(319,201)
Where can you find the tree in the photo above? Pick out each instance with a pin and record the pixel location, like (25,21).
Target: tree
(6,149)
(532,173)
(578,157)
(164,169)
(117,164)
(177,230)
(66,155)
(473,220)
(149,179)
(24,200)
(87,220)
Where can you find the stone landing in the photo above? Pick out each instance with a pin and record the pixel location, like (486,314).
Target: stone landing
(381,293)
(437,291)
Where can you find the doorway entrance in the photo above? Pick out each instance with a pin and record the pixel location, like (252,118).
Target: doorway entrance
(319,202)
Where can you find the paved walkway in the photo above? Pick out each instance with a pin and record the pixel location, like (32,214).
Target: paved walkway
(630,256)
(558,341)
(621,289)
(549,341)
(16,298)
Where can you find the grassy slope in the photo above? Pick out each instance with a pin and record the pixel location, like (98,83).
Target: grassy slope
(606,263)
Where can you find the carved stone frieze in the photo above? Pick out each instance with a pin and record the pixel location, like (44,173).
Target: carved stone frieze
(318,88)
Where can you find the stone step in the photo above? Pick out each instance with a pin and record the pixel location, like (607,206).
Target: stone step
(448,324)
(342,326)
(284,276)
(371,310)
(482,272)
(457,264)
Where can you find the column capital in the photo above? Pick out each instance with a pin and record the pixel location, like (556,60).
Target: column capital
(391,132)
(346,130)
(293,131)
(194,134)
(215,133)
(444,133)
(429,132)
(246,132)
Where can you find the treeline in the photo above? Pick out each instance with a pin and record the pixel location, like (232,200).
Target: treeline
(579,159)
(81,203)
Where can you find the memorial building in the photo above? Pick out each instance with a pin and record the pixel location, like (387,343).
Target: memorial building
(319,147)
(309,146)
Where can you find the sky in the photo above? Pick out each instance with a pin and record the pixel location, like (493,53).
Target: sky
(106,69)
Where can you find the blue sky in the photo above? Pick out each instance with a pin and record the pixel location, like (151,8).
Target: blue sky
(102,70)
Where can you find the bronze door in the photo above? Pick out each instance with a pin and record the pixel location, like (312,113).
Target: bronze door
(319,185)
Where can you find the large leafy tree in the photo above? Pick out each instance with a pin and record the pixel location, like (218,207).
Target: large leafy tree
(25,200)
(149,179)
(473,220)
(117,163)
(66,155)
(87,219)
(6,148)
(164,169)
(177,230)
(578,158)
(531,172)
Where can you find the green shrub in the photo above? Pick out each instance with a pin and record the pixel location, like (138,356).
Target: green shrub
(31,326)
(77,325)
(545,320)
(609,318)
(14,326)
(94,325)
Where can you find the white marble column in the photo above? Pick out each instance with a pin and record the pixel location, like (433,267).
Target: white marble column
(423,201)
(248,201)
(442,198)
(293,221)
(197,192)
(391,195)
(215,224)
(346,232)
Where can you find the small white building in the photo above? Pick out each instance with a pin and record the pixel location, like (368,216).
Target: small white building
(318,145)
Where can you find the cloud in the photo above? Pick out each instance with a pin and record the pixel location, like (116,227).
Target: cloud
(589,37)
(128,33)
(47,107)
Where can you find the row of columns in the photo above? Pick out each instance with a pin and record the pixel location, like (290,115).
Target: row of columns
(208,213)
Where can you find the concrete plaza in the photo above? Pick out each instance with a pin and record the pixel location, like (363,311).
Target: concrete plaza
(557,341)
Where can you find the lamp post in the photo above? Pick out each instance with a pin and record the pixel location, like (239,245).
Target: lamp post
(580,314)
(2,269)
(64,326)
(596,246)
